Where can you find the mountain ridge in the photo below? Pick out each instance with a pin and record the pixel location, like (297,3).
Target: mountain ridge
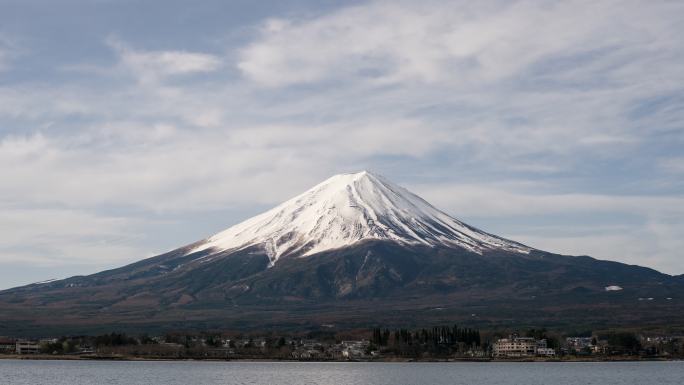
(278,270)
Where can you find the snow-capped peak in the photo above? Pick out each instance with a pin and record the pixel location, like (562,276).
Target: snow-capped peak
(349,208)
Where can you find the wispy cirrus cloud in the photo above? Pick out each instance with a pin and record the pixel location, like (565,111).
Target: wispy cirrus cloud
(152,65)
(465,44)
(508,78)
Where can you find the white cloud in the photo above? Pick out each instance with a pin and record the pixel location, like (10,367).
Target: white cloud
(461,43)
(649,238)
(151,65)
(655,244)
(158,166)
(524,78)
(498,200)
(52,237)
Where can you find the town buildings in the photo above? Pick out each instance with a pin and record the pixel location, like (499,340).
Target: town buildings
(27,347)
(7,345)
(355,349)
(578,344)
(515,346)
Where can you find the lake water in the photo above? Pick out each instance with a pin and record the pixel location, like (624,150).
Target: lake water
(16,372)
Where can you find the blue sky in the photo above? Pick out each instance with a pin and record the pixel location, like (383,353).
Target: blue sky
(128,128)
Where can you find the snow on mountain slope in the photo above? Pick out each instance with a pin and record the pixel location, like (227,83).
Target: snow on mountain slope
(349,208)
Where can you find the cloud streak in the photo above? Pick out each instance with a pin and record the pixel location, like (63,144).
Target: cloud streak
(152,65)
(463,44)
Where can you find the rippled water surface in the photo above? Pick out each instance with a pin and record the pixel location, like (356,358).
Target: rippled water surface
(170,373)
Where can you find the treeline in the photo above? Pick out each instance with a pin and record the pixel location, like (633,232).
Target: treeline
(66,345)
(117,339)
(622,342)
(542,334)
(424,343)
(436,341)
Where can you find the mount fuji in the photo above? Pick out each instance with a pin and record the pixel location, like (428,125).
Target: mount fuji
(347,209)
(353,251)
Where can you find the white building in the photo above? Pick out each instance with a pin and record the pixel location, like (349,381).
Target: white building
(27,347)
(546,352)
(578,343)
(515,346)
(355,349)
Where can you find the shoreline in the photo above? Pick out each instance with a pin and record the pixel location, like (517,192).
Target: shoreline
(45,357)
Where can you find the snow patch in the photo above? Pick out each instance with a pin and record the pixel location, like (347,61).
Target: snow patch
(349,208)
(613,288)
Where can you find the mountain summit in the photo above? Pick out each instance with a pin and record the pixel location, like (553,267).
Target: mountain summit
(353,251)
(349,208)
